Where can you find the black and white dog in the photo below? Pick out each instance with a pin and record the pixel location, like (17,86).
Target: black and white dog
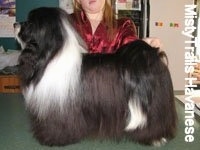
(71,94)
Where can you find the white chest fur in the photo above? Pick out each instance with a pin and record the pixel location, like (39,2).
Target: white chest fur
(59,82)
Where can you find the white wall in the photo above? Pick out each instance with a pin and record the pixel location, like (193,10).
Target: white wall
(171,37)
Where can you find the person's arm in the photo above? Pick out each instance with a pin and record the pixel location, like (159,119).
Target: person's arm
(153,41)
(128,33)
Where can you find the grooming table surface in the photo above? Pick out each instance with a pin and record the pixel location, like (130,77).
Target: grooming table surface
(15,133)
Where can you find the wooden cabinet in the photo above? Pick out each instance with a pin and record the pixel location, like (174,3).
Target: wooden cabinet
(9,84)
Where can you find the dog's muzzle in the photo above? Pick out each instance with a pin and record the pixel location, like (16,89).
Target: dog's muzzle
(16,25)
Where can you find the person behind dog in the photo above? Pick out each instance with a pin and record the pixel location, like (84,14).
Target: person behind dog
(96,23)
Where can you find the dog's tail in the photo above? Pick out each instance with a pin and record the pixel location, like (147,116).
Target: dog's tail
(153,117)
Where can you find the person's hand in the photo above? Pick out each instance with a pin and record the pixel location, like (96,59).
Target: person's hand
(153,41)
(196,73)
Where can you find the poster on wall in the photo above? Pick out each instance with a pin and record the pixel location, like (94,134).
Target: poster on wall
(7,17)
(128,4)
(66,5)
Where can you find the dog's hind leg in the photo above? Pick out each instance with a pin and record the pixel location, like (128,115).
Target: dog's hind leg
(154,115)
(148,82)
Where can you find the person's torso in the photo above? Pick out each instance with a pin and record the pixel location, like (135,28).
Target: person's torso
(99,41)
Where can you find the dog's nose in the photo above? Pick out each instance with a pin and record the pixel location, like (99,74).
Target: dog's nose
(16,24)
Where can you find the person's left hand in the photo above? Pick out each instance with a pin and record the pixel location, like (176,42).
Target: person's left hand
(153,41)
(196,73)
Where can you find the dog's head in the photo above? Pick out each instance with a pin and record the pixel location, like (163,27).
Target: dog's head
(47,28)
(45,34)
(43,28)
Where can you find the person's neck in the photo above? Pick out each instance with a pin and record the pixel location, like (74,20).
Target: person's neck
(95,16)
(95,19)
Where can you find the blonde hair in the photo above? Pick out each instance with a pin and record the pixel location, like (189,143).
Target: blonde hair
(108,16)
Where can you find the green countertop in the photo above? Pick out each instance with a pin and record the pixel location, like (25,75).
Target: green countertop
(15,133)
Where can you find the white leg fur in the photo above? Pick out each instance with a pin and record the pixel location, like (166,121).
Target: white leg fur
(137,117)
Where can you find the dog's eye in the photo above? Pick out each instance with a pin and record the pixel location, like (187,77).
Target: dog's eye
(25,23)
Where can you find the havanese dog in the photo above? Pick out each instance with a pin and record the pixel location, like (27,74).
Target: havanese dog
(72,95)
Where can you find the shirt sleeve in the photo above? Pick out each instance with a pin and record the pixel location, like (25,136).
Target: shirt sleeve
(126,32)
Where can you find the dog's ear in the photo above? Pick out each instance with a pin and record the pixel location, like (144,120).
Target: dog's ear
(27,62)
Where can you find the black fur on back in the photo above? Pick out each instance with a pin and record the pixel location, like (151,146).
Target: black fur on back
(136,70)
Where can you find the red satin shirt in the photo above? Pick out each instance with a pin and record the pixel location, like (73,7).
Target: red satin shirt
(98,42)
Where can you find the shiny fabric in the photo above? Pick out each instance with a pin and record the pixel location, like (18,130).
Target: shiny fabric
(98,42)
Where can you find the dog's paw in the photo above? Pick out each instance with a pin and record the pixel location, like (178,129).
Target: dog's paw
(159,143)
